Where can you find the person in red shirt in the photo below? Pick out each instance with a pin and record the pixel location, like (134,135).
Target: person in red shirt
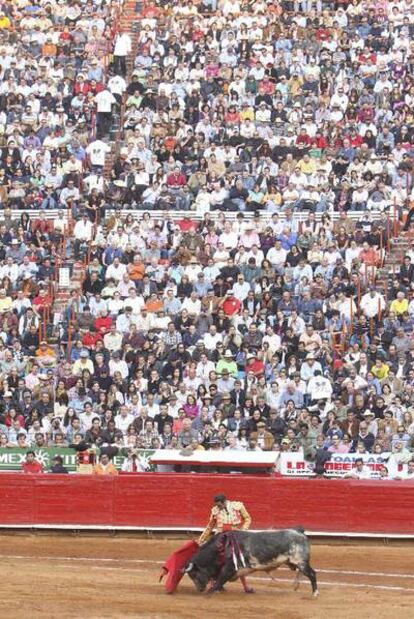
(81,86)
(103,322)
(253,364)
(91,338)
(355,139)
(323,34)
(186,224)
(368,255)
(176,179)
(319,141)
(231,305)
(31,465)
(42,301)
(150,11)
(44,225)
(303,140)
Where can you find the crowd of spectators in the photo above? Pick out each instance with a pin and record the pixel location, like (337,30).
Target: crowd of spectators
(270,105)
(61,84)
(219,331)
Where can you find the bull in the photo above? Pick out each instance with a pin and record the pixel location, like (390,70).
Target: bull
(234,554)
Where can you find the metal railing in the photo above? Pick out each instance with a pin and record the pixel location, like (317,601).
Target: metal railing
(215,215)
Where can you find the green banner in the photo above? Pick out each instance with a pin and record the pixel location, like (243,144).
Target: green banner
(12,459)
(144,456)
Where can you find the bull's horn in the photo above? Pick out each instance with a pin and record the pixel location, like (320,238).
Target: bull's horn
(163,573)
(189,568)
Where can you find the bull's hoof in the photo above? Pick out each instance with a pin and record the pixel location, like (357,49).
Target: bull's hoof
(216,590)
(249,590)
(316,593)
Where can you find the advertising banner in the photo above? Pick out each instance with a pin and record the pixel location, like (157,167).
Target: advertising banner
(12,459)
(293,464)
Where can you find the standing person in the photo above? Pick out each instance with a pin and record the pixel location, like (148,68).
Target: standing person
(132,464)
(31,465)
(105,466)
(122,48)
(104,102)
(226,516)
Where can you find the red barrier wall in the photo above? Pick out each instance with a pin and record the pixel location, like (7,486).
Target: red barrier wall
(167,500)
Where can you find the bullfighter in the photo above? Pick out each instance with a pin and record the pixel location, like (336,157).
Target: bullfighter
(226,516)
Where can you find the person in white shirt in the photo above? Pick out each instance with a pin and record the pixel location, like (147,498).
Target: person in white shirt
(319,387)
(104,101)
(97,305)
(204,367)
(192,304)
(118,238)
(277,257)
(247,128)
(144,321)
(87,418)
(10,270)
(234,444)
(407,474)
(173,406)
(116,270)
(296,323)
(116,364)
(257,254)
(161,320)
(359,198)
(151,405)
(123,420)
(126,322)
(340,99)
(361,471)
(133,464)
(97,151)
(192,270)
(212,338)
(332,254)
(70,192)
(114,304)
(113,339)
(372,303)
(94,181)
(21,303)
(124,286)
(181,394)
(122,48)
(221,256)
(346,307)
(117,85)
(351,254)
(135,302)
(192,381)
(272,339)
(83,232)
(241,289)
(83,229)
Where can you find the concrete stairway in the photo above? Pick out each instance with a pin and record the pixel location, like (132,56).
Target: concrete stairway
(129,21)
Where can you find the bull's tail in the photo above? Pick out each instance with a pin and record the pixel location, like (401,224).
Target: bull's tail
(299,529)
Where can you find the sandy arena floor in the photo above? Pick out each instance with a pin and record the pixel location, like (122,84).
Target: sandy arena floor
(47,576)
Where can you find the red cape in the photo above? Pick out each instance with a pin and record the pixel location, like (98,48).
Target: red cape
(173,566)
